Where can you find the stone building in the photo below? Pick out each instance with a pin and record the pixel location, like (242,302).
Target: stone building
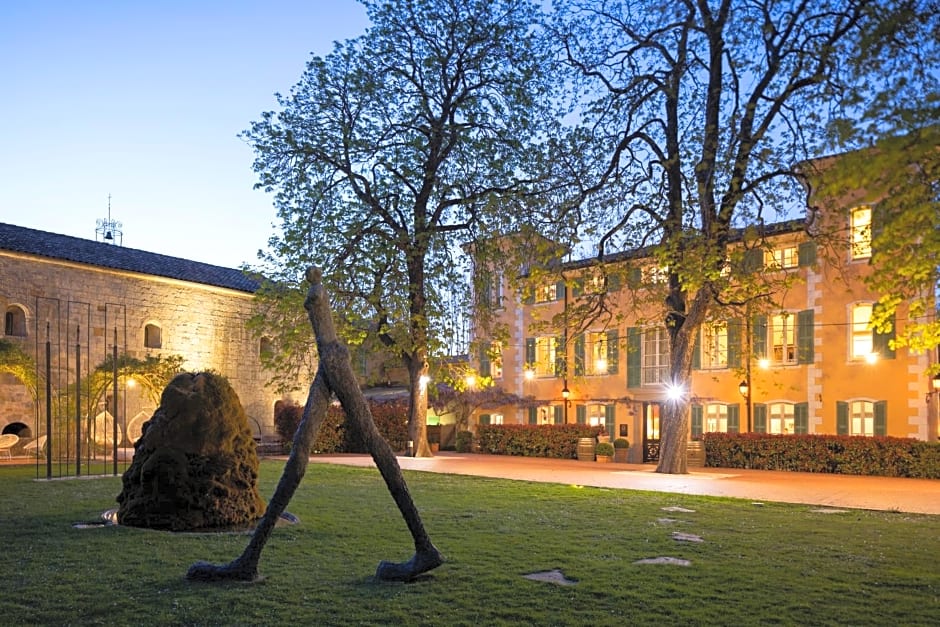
(84,298)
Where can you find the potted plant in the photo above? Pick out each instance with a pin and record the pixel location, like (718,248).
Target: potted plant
(604,452)
(621,446)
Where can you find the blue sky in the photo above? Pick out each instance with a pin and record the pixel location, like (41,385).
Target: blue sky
(143,100)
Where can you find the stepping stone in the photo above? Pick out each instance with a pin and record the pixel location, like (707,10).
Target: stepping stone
(671,561)
(678,536)
(667,521)
(676,508)
(552,576)
(826,510)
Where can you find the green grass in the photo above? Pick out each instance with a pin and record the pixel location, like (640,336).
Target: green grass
(770,564)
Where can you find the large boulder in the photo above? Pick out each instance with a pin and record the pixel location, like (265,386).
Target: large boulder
(195,466)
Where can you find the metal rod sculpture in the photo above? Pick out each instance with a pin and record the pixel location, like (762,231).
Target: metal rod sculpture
(334,375)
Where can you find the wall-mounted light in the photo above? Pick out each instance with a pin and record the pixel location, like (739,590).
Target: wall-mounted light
(743,388)
(565,393)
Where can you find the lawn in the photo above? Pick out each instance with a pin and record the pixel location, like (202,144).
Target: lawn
(756,563)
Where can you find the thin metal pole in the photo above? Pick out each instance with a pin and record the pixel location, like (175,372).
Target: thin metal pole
(78,401)
(48,403)
(114,427)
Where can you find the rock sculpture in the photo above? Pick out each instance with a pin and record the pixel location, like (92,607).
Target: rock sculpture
(195,466)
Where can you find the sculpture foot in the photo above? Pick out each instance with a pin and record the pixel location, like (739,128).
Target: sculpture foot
(420,563)
(233,571)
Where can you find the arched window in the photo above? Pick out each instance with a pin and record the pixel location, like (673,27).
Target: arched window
(153,336)
(14,321)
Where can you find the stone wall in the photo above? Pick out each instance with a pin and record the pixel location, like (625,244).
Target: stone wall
(70,303)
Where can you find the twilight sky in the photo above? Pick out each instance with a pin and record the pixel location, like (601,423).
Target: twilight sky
(144,101)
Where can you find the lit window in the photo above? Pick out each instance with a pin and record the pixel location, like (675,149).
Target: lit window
(783,339)
(656,275)
(655,356)
(597,415)
(862,339)
(862,418)
(861,232)
(596,352)
(545,356)
(152,336)
(780,418)
(546,293)
(547,415)
(14,321)
(594,284)
(716,418)
(715,345)
(496,360)
(496,419)
(781,258)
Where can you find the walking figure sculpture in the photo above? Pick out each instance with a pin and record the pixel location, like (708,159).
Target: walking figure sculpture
(334,375)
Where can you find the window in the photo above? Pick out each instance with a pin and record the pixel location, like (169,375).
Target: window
(862,346)
(782,258)
(780,418)
(655,367)
(715,345)
(496,419)
(595,284)
(862,417)
(655,275)
(546,415)
(716,418)
(546,293)
(861,233)
(782,339)
(595,352)
(14,321)
(541,355)
(491,360)
(597,415)
(152,336)
(491,291)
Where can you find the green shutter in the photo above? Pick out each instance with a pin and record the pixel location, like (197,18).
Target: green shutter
(635,277)
(613,352)
(760,418)
(533,416)
(610,420)
(580,412)
(577,286)
(579,355)
(697,421)
(613,282)
(485,369)
(697,349)
(734,343)
(878,218)
(560,290)
(806,254)
(484,419)
(842,418)
(881,342)
(801,418)
(753,260)
(734,418)
(559,414)
(881,418)
(759,337)
(530,352)
(633,357)
(560,357)
(804,336)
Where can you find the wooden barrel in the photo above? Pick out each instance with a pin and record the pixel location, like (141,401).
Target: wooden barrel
(586,449)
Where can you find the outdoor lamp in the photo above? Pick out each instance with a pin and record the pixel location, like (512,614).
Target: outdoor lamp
(743,388)
(935,382)
(565,393)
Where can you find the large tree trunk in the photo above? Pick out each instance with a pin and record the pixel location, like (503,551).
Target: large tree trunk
(334,374)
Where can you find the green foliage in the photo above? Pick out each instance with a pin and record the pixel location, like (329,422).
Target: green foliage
(855,455)
(335,435)
(557,441)
(464,442)
(152,373)
(604,449)
(13,360)
(621,443)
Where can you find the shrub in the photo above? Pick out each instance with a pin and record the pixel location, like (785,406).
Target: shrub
(334,436)
(464,442)
(556,441)
(621,443)
(857,455)
(604,448)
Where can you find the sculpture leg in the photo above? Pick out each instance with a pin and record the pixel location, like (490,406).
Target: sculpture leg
(245,567)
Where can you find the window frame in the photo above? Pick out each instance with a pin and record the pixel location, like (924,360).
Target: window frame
(654,371)
(860,233)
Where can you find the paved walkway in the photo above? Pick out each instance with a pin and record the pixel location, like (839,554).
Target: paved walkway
(840,491)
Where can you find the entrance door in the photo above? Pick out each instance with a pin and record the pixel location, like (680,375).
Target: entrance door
(651,413)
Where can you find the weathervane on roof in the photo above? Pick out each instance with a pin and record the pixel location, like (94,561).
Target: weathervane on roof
(108,230)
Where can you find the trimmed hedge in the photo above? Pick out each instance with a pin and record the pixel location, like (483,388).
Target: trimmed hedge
(840,454)
(556,441)
(464,442)
(334,436)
